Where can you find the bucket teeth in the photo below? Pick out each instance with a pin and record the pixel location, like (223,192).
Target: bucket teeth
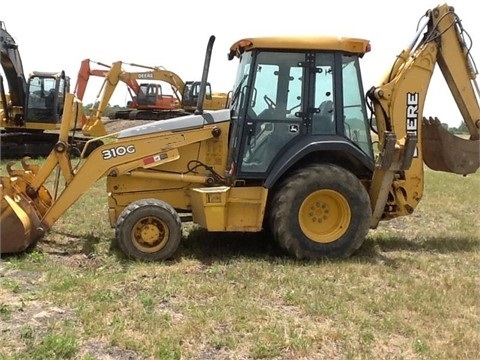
(29,167)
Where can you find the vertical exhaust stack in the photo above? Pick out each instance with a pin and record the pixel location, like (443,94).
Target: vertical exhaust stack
(203,84)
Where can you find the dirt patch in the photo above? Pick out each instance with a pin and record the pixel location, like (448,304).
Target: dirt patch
(25,320)
(115,125)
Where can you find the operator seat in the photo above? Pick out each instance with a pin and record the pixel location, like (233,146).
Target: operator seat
(323,120)
(49,102)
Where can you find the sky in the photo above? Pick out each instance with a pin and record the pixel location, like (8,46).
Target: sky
(55,35)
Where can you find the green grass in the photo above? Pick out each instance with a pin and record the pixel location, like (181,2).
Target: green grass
(411,292)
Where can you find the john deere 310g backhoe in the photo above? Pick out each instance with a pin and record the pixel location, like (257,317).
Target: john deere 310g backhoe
(293,153)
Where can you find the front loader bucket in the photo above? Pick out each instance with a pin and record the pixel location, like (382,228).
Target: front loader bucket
(20,224)
(443,151)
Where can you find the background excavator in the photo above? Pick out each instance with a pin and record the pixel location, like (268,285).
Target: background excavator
(148,101)
(293,153)
(31,111)
(144,96)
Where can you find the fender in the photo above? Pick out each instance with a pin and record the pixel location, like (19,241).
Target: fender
(306,146)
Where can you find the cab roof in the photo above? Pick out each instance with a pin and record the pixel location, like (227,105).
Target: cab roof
(331,43)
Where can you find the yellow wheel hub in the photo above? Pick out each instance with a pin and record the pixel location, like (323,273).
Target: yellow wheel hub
(150,234)
(324,216)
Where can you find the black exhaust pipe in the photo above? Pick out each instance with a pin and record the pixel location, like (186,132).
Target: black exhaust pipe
(203,84)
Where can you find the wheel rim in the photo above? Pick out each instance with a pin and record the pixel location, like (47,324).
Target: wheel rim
(150,234)
(324,216)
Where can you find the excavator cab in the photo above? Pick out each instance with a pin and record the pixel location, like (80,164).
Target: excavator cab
(191,93)
(150,96)
(46,97)
(149,93)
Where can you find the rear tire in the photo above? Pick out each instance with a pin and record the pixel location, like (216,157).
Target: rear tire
(149,230)
(320,211)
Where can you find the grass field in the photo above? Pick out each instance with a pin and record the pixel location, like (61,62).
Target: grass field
(411,292)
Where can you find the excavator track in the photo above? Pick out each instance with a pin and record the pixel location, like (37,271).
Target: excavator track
(16,145)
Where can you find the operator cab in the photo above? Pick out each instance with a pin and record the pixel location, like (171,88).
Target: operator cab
(148,94)
(191,93)
(46,95)
(293,104)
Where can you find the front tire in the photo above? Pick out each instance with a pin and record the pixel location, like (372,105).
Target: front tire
(149,230)
(320,211)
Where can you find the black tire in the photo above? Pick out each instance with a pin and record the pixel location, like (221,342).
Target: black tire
(320,211)
(149,230)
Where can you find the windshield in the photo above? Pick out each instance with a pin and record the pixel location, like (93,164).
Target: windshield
(240,85)
(45,98)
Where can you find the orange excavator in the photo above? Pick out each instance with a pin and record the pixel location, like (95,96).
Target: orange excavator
(148,101)
(144,96)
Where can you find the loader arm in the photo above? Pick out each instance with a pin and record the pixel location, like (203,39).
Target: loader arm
(28,207)
(406,138)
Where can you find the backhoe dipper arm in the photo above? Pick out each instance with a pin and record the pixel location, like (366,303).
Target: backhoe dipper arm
(406,139)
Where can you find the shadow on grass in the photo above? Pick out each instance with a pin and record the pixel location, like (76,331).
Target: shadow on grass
(210,247)
(374,250)
(443,245)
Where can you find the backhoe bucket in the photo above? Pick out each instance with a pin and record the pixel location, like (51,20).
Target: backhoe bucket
(20,224)
(443,151)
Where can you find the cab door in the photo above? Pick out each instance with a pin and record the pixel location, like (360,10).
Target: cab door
(276,104)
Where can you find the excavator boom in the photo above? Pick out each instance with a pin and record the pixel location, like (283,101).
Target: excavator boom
(11,63)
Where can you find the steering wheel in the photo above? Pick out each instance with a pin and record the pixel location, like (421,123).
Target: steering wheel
(270,103)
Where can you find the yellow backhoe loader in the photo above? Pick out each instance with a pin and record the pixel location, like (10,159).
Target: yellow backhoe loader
(293,153)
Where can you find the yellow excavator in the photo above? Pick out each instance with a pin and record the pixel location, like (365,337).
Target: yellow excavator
(293,153)
(31,111)
(148,102)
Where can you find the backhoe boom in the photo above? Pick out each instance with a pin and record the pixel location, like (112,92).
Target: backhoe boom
(398,109)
